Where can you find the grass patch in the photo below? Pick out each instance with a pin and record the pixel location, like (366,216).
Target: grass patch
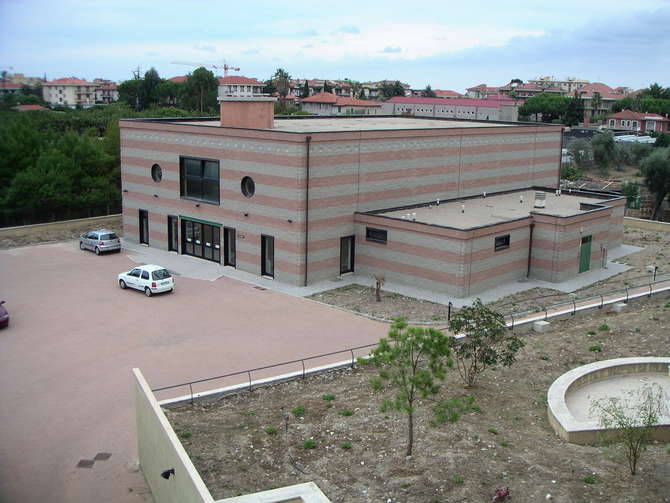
(604,327)
(185,434)
(298,411)
(493,430)
(589,479)
(309,444)
(346,413)
(345,445)
(270,430)
(504,443)
(596,348)
(457,479)
(329,397)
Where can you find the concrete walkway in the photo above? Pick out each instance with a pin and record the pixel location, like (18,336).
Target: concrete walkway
(191,267)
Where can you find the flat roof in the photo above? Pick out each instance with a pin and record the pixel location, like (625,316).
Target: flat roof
(493,209)
(370,123)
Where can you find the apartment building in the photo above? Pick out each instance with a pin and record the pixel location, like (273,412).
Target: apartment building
(330,104)
(453,108)
(69,92)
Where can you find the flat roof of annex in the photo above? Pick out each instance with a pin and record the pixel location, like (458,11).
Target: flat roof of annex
(495,209)
(337,124)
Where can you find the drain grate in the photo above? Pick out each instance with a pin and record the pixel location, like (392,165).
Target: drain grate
(85,463)
(260,288)
(102,456)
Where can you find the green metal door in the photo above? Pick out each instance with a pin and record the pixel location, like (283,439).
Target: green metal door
(585,254)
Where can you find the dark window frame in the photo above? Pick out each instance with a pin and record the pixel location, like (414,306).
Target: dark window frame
(375,235)
(184,179)
(501,242)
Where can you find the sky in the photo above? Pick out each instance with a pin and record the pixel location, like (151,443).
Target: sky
(448,44)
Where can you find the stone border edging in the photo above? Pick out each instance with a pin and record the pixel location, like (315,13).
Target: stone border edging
(59,222)
(586,432)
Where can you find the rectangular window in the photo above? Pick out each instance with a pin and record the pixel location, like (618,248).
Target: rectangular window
(612,122)
(199,179)
(502,242)
(376,235)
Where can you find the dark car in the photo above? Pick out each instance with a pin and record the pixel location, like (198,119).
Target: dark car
(4,315)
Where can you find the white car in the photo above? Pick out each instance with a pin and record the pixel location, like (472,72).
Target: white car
(148,278)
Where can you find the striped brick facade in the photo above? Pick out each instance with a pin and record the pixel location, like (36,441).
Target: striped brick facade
(313,188)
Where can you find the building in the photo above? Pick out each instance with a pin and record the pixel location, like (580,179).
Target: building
(236,85)
(106,92)
(482,91)
(372,90)
(9,88)
(445,205)
(627,120)
(598,99)
(341,88)
(456,108)
(329,104)
(567,86)
(70,92)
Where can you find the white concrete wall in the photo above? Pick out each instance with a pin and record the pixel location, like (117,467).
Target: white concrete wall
(160,449)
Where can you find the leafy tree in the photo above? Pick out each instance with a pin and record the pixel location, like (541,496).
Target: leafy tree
(168,92)
(270,87)
(639,151)
(574,111)
(571,172)
(596,103)
(657,91)
(199,91)
(656,172)
(550,106)
(486,341)
(428,92)
(149,88)
(630,191)
(327,88)
(516,81)
(412,360)
(129,92)
(631,420)
(604,154)
(581,152)
(282,81)
(305,89)
(388,90)
(356,88)
(662,140)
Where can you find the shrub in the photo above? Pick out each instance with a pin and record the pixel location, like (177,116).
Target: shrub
(589,479)
(504,443)
(309,444)
(346,413)
(298,411)
(270,430)
(345,445)
(457,479)
(493,430)
(329,397)
(596,348)
(604,327)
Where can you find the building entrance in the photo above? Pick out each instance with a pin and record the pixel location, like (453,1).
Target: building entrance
(200,239)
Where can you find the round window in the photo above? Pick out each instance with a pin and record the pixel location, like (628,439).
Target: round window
(156,173)
(248,186)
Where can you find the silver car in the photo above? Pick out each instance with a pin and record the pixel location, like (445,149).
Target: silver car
(100,241)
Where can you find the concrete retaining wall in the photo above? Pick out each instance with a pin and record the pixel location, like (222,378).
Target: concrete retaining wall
(98,222)
(649,225)
(160,449)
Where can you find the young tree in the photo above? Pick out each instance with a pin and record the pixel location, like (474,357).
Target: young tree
(656,171)
(550,106)
(596,103)
(487,341)
(574,111)
(581,153)
(630,420)
(305,90)
(149,88)
(412,360)
(327,88)
(428,92)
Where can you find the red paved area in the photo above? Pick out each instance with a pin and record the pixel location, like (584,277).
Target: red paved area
(74,336)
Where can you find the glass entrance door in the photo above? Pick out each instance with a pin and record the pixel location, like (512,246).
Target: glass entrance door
(347,254)
(201,240)
(173,233)
(268,256)
(229,246)
(144,227)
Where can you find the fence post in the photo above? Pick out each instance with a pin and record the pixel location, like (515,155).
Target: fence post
(190,387)
(626,301)
(574,307)
(249,374)
(449,311)
(303,368)
(512,327)
(601,301)
(352,358)
(651,288)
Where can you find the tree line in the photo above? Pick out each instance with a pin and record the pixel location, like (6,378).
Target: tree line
(56,165)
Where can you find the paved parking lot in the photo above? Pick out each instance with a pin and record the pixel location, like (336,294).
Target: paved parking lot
(74,336)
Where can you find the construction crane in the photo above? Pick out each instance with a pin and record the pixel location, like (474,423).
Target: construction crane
(226,67)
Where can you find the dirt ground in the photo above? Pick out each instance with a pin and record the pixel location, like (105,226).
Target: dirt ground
(252,441)
(361,299)
(60,231)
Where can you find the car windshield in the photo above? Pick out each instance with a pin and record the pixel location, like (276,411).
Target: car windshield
(107,237)
(160,274)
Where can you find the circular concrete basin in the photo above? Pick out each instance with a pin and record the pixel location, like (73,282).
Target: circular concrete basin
(570,396)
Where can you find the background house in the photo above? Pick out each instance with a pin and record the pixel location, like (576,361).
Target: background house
(627,120)
(329,104)
(70,92)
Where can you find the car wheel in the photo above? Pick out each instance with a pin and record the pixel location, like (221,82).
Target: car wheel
(97,250)
(81,245)
(171,290)
(147,291)
(122,284)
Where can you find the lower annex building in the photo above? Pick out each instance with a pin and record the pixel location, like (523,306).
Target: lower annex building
(446,205)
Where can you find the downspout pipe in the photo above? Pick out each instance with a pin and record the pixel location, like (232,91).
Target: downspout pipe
(308,143)
(530,249)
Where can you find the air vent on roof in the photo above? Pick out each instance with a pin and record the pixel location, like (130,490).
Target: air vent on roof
(540,199)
